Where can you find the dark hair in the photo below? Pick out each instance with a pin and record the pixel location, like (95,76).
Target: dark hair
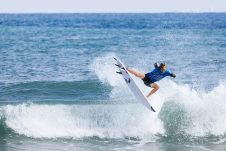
(162,65)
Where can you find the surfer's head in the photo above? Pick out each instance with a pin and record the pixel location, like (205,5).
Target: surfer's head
(163,67)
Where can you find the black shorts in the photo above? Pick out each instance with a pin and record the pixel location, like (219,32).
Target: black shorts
(147,81)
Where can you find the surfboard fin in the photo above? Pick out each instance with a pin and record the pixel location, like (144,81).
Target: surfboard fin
(123,68)
(119,72)
(118,65)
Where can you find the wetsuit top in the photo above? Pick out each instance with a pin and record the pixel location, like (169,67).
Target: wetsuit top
(157,75)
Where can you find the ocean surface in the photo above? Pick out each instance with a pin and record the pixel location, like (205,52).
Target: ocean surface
(59,90)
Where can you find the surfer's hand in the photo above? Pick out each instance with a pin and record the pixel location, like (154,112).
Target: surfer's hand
(173,75)
(155,65)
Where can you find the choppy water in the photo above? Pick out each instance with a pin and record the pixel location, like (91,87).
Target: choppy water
(59,89)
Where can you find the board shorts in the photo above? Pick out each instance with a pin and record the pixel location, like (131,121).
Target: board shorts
(147,81)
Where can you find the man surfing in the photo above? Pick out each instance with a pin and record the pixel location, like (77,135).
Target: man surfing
(150,78)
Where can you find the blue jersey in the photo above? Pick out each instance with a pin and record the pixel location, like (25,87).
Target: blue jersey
(157,75)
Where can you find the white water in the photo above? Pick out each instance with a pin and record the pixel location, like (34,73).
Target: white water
(204,112)
(104,121)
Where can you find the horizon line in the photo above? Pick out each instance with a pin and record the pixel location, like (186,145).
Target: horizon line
(191,12)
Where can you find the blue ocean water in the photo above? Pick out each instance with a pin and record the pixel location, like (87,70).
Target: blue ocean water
(59,89)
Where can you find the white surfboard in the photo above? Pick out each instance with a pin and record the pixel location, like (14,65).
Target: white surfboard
(132,85)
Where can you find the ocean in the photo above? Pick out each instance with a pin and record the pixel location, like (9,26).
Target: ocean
(59,89)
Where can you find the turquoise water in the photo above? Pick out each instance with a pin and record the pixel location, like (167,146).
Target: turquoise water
(59,89)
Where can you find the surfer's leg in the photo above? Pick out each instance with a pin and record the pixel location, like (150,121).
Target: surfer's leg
(155,88)
(136,73)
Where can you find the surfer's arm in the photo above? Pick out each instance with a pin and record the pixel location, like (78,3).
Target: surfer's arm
(156,65)
(173,75)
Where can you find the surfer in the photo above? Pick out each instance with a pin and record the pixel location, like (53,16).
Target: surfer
(150,78)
